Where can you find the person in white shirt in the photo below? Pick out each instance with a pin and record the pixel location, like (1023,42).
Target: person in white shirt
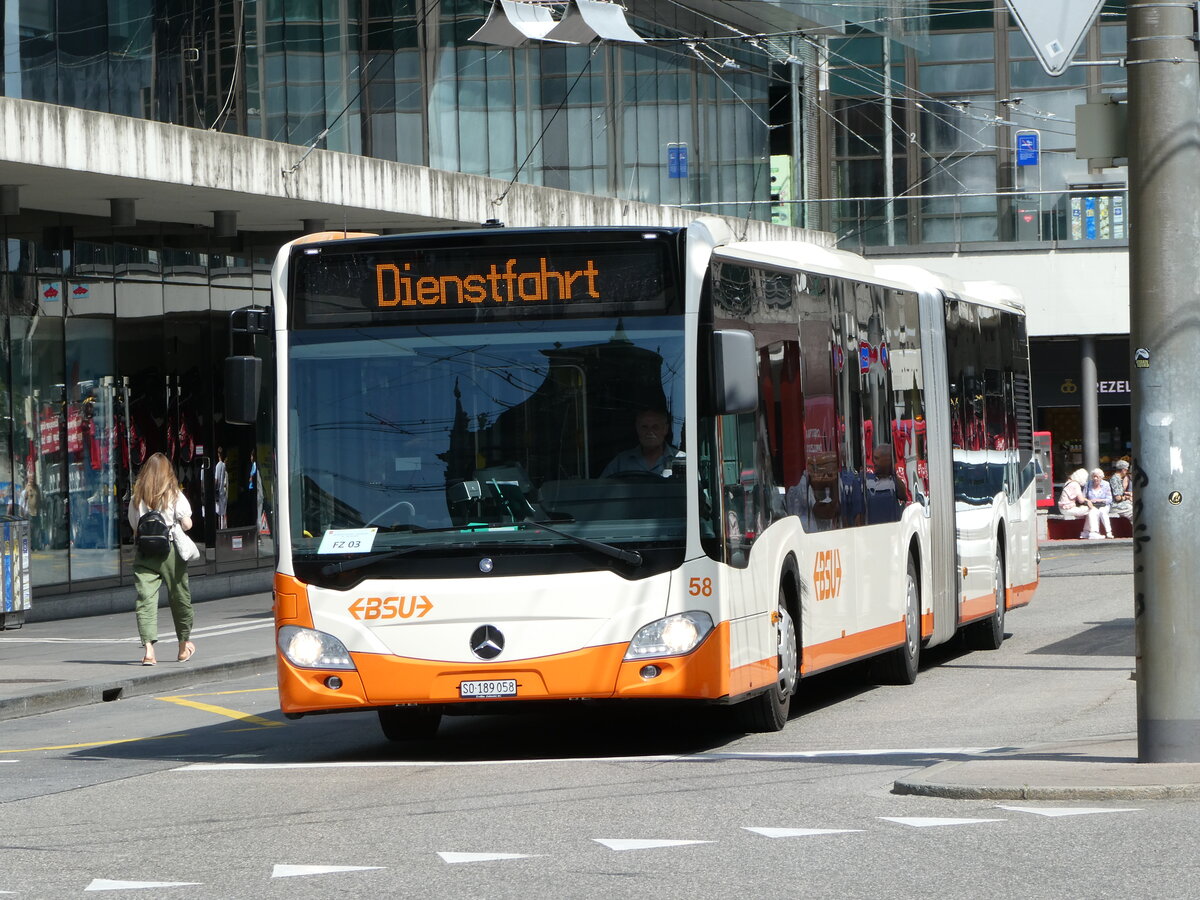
(221,489)
(157,488)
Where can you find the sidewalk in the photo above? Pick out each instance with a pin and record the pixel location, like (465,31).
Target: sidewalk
(1099,769)
(47,666)
(61,664)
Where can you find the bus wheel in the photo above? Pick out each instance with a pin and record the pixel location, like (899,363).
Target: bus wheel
(768,711)
(899,666)
(409,723)
(989,634)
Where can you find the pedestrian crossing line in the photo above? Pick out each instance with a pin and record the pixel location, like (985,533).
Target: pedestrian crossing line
(222,711)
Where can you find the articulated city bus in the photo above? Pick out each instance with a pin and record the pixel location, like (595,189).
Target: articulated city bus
(571,464)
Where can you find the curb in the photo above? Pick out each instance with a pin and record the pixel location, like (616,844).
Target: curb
(1073,781)
(71,696)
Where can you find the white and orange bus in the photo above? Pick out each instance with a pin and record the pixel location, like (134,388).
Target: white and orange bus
(468,518)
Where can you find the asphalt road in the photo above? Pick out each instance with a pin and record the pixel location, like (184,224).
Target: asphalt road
(209,792)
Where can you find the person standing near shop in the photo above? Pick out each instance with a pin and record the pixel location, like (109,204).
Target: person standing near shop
(157,488)
(221,489)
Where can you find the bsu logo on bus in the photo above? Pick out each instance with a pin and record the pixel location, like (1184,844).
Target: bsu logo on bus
(390,607)
(827,574)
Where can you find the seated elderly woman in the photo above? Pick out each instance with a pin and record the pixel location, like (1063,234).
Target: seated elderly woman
(1074,504)
(1122,491)
(1099,495)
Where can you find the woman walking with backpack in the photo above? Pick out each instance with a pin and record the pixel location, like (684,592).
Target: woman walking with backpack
(160,514)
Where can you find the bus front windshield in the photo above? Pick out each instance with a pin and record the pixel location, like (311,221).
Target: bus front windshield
(464,435)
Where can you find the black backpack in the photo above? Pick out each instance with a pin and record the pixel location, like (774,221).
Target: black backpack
(153,535)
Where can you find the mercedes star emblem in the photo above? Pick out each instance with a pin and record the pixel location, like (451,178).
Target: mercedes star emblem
(487,642)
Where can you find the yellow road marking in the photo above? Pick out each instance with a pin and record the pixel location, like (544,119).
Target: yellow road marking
(182,701)
(158,737)
(223,693)
(221,710)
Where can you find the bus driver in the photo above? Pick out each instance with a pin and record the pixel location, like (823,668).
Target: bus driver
(653,455)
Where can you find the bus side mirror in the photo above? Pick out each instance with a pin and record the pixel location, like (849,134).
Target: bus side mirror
(735,372)
(243,383)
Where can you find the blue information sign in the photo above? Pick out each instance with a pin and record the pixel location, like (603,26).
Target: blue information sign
(677,161)
(1028,147)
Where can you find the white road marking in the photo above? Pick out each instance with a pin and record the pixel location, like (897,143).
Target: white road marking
(294,871)
(917,822)
(1055,813)
(800,832)
(693,757)
(634,844)
(453,858)
(103,884)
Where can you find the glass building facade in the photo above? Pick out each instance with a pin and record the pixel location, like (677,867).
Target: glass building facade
(400,80)
(958,104)
(112,348)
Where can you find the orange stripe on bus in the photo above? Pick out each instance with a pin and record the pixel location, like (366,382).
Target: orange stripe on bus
(594,672)
(1021,594)
(851,647)
(291,602)
(982,607)
(927,624)
(977,608)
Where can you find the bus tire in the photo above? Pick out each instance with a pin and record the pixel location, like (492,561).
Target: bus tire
(989,634)
(409,723)
(900,666)
(769,710)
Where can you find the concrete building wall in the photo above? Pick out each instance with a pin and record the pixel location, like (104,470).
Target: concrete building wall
(74,161)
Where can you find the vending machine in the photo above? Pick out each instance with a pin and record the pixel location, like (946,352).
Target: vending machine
(1043,462)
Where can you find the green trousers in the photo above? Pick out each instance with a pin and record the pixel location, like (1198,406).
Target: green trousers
(148,574)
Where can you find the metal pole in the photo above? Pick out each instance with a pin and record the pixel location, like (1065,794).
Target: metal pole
(889,188)
(797,211)
(1089,402)
(1164,282)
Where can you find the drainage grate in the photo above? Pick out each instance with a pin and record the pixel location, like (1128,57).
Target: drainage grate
(111,694)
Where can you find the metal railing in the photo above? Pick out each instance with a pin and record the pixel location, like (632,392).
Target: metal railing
(1078,217)
(1072,218)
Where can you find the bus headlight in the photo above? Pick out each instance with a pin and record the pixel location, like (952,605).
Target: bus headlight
(313,649)
(672,636)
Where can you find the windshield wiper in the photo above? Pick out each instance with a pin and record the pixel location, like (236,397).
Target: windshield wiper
(629,556)
(347,565)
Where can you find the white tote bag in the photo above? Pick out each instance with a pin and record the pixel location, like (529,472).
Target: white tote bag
(187,547)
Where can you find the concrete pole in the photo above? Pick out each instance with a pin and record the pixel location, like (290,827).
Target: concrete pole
(1164,283)
(1089,402)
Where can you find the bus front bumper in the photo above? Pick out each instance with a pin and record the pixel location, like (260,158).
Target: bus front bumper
(379,680)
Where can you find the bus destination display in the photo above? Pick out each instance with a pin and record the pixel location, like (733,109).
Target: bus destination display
(395,285)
